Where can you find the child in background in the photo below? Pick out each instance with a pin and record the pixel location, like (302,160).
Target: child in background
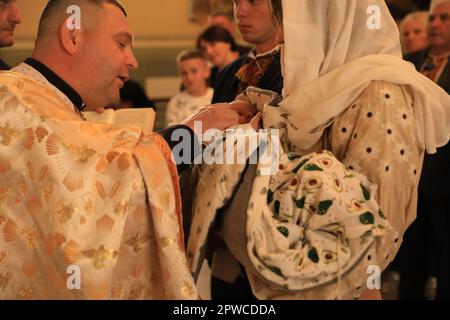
(194,72)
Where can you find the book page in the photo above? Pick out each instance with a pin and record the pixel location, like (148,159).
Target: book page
(143,118)
(105,117)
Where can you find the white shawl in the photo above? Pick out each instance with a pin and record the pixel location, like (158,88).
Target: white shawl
(331,55)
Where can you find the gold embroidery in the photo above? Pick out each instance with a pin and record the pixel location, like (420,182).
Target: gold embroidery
(121,140)
(25,294)
(100,256)
(41,133)
(121,208)
(165,199)
(4,193)
(186,290)
(5,278)
(138,242)
(136,291)
(7,134)
(83,153)
(47,193)
(116,292)
(30,236)
(89,207)
(64,212)
(165,242)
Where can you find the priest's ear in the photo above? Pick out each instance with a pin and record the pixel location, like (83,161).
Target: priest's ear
(70,36)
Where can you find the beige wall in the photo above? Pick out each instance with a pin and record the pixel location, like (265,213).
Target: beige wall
(156,23)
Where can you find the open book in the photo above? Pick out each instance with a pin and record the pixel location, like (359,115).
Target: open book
(143,118)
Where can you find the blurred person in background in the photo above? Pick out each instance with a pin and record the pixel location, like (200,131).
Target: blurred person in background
(194,71)
(219,47)
(413,32)
(423,260)
(9,17)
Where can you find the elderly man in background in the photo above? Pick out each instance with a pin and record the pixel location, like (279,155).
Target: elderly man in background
(424,258)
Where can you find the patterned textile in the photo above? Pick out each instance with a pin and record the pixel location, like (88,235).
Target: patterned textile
(324,201)
(107,206)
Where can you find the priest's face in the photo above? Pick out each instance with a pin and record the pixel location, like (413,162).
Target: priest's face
(254,19)
(108,59)
(439,26)
(9,18)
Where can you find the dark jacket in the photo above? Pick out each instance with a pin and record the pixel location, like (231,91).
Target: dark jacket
(423,252)
(418,59)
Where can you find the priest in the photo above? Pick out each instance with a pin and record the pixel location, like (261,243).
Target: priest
(87,210)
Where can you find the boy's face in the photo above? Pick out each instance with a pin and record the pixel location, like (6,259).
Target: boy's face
(194,73)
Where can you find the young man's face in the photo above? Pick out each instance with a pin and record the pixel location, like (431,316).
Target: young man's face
(439,26)
(107,58)
(9,18)
(254,19)
(194,74)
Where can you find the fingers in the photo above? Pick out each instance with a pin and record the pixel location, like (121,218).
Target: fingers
(214,117)
(256,121)
(243,107)
(224,119)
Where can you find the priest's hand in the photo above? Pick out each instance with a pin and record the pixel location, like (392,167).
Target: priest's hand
(219,116)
